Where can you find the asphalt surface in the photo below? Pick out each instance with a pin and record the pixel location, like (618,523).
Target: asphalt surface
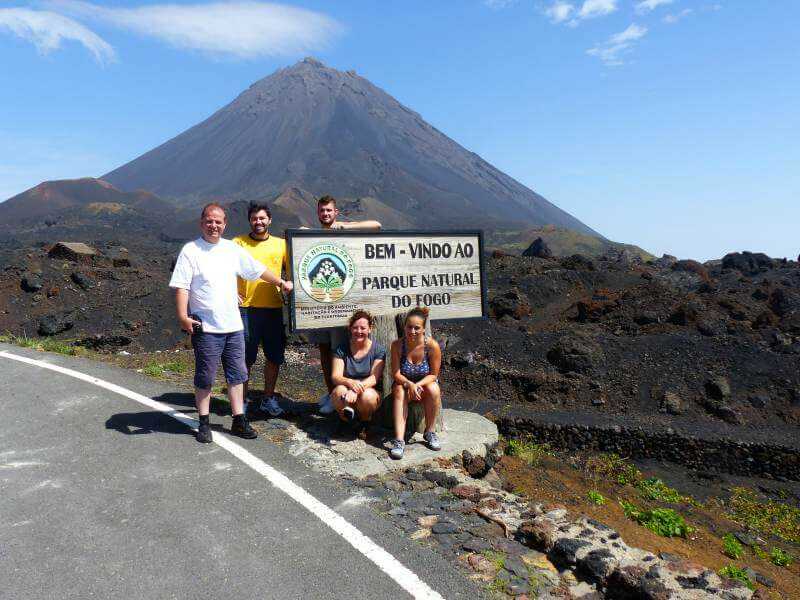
(101,497)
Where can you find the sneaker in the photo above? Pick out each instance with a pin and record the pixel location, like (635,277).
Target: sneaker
(241,428)
(204,433)
(325,406)
(349,414)
(270,406)
(432,440)
(398,446)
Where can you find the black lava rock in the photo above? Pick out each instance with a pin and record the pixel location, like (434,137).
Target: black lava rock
(82,280)
(538,249)
(54,324)
(31,283)
(748,263)
(576,353)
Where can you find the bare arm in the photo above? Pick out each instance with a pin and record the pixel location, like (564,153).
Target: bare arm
(375,374)
(435,362)
(337,372)
(270,277)
(398,377)
(182,309)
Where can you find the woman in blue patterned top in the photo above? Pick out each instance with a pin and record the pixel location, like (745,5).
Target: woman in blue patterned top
(416,360)
(356,370)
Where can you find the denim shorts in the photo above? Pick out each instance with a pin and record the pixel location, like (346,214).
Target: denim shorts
(263,327)
(209,348)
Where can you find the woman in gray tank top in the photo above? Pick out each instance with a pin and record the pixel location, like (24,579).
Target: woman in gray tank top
(356,370)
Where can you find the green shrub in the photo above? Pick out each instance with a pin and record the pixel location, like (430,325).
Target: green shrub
(497,558)
(157,369)
(595,497)
(653,488)
(175,367)
(531,452)
(780,558)
(662,521)
(760,552)
(43,344)
(153,369)
(731,547)
(614,467)
(768,517)
(738,573)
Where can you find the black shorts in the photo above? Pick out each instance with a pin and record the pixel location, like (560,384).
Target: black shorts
(263,327)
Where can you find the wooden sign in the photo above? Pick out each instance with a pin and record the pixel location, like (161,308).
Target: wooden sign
(384,272)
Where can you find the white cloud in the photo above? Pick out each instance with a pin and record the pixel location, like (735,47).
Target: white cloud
(612,50)
(597,8)
(559,11)
(232,29)
(671,19)
(650,5)
(47,30)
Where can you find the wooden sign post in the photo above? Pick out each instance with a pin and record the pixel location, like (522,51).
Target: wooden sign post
(336,272)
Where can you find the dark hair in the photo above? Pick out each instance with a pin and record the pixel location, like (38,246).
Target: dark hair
(326,200)
(254,207)
(419,311)
(211,205)
(361,314)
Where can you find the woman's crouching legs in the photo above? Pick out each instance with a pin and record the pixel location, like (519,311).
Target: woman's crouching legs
(399,411)
(337,398)
(367,403)
(432,403)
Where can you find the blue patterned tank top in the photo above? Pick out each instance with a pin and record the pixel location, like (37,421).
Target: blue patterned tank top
(411,371)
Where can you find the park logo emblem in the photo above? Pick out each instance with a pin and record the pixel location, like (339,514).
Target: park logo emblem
(327,273)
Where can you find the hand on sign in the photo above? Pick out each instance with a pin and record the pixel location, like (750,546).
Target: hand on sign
(286,286)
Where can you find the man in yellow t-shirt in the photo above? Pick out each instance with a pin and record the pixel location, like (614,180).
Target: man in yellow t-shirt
(262,305)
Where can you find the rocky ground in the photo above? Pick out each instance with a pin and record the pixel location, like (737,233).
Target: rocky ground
(666,360)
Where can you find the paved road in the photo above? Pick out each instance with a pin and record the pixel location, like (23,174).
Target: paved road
(101,497)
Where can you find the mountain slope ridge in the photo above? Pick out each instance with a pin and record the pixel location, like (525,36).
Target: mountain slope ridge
(325,131)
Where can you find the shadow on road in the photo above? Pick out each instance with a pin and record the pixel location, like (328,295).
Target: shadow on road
(146,422)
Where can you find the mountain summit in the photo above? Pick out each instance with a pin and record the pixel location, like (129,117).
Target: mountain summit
(324,131)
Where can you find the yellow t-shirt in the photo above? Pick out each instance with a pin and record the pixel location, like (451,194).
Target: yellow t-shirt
(272,254)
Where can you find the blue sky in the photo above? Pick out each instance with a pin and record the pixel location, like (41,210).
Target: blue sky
(673,125)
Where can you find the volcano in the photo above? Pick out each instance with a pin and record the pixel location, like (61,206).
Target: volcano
(312,128)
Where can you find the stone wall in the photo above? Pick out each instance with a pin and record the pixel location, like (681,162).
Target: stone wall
(725,455)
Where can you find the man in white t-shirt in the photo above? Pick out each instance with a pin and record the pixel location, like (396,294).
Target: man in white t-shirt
(207,304)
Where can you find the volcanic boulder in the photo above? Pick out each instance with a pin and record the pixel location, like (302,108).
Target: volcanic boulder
(54,324)
(576,353)
(748,263)
(73,251)
(31,283)
(512,303)
(538,249)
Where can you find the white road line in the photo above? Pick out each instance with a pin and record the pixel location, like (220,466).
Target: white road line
(387,563)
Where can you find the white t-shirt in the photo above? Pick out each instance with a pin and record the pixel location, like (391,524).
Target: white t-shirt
(209,272)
